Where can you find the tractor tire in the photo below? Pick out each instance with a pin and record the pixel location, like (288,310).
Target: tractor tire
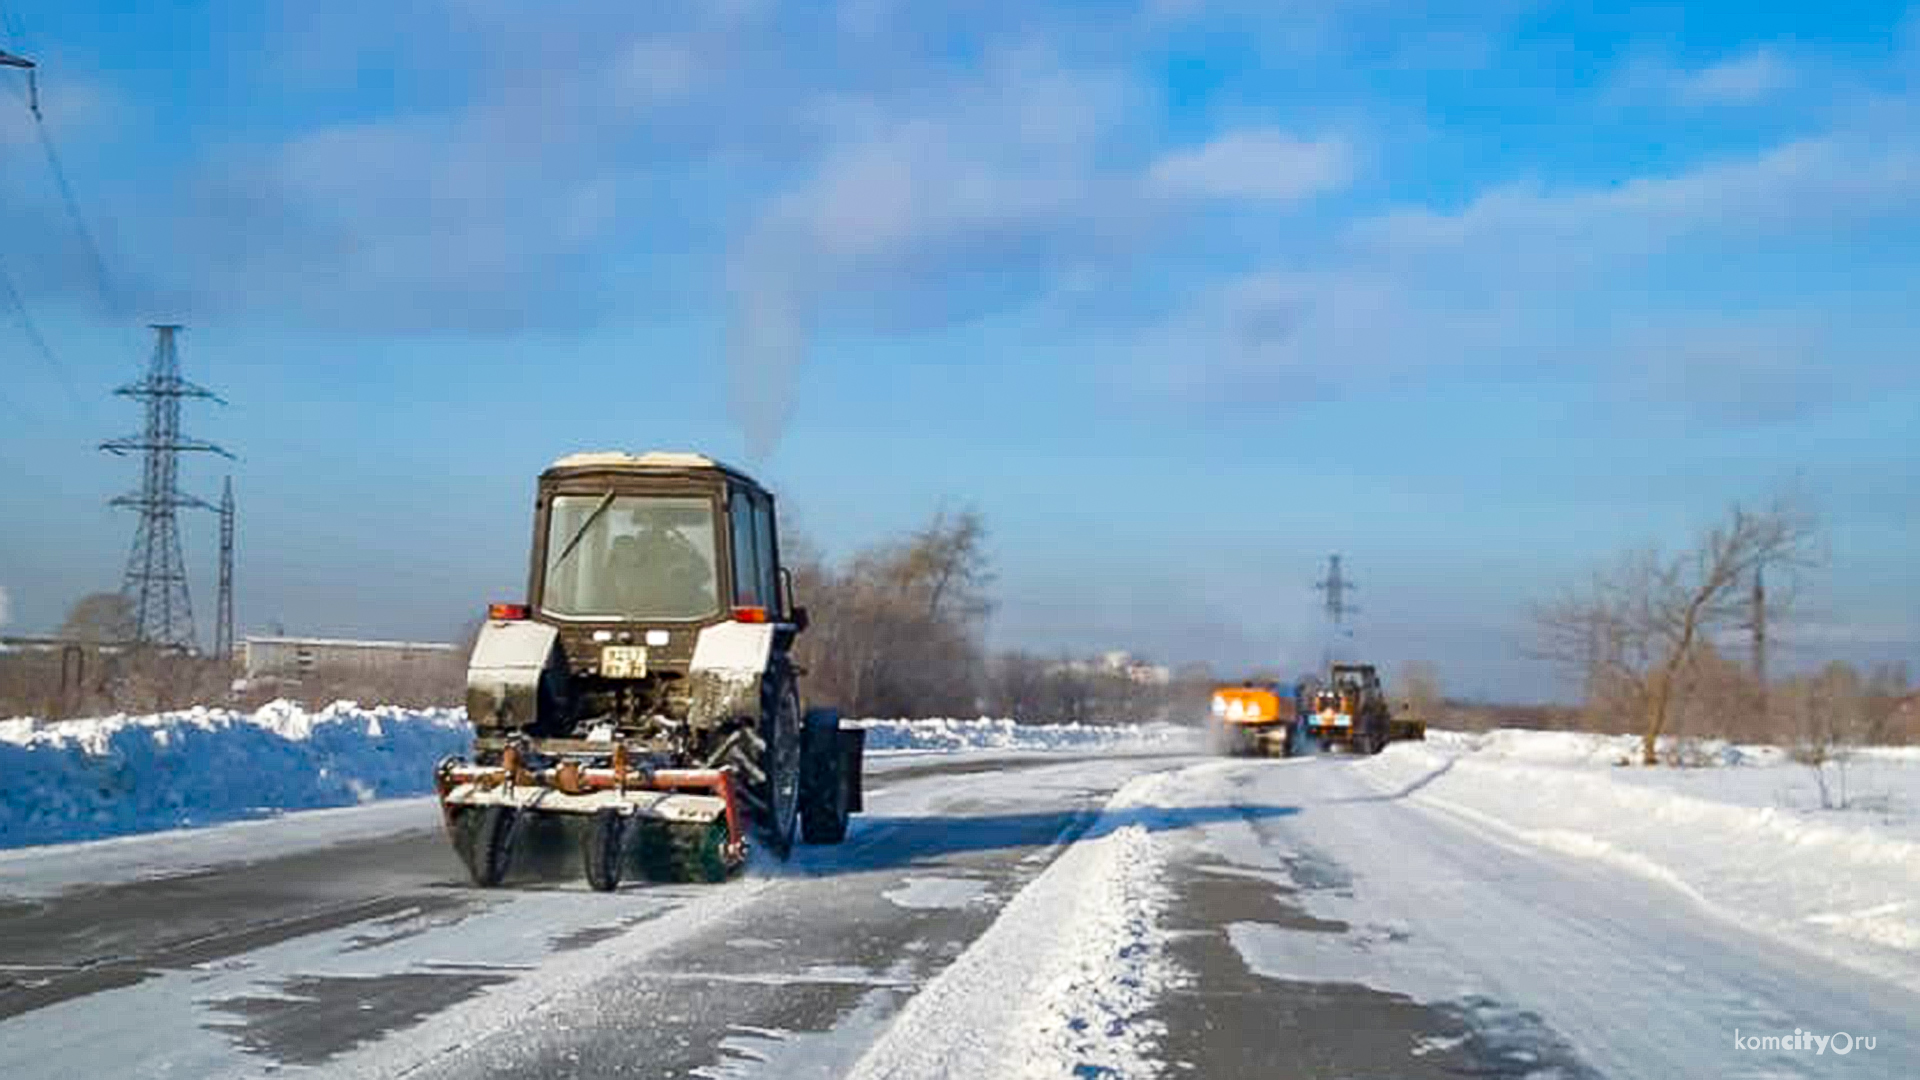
(604,849)
(484,841)
(826,795)
(779,795)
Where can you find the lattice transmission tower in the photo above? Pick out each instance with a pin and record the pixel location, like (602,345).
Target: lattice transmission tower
(156,579)
(1336,585)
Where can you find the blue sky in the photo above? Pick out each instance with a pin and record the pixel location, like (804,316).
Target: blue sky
(1183,294)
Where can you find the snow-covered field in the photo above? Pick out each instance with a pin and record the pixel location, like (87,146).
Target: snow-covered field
(1745,838)
(89,779)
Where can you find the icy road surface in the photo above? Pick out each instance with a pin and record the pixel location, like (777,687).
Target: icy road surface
(1033,915)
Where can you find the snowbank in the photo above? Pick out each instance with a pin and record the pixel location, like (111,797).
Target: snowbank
(990,734)
(1747,840)
(87,779)
(1063,982)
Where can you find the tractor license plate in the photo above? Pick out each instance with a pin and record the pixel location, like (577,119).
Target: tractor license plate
(623,661)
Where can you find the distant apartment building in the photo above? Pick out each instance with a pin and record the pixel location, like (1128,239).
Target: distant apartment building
(1117,662)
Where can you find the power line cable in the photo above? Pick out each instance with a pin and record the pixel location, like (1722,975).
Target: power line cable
(103,280)
(12,297)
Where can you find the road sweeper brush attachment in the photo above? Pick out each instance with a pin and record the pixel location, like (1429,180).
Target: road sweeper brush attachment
(669,824)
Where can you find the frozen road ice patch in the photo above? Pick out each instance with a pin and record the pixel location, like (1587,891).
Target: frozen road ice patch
(937,892)
(1062,982)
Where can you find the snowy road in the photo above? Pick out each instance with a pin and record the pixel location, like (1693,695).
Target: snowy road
(991,916)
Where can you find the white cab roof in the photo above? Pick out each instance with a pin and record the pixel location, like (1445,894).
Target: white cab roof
(669,459)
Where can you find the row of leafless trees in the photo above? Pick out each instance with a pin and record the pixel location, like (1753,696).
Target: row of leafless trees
(92,680)
(92,670)
(1649,638)
(898,630)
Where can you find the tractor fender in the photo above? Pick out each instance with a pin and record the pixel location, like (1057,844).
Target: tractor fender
(512,664)
(730,660)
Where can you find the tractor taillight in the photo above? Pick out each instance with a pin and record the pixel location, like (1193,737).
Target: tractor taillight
(507,612)
(750,614)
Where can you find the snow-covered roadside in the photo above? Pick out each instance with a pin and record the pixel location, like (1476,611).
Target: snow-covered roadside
(1060,984)
(87,779)
(1843,884)
(81,780)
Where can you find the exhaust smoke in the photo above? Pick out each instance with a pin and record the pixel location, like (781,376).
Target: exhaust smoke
(766,348)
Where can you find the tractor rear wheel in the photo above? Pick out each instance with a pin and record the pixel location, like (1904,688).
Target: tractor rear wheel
(778,795)
(826,798)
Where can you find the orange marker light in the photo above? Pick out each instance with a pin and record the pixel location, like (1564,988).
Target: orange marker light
(507,612)
(750,614)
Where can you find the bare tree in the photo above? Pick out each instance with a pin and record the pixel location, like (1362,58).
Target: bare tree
(1832,717)
(896,628)
(98,618)
(1634,634)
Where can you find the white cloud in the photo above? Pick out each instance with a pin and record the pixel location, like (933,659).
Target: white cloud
(1259,164)
(1757,368)
(1738,80)
(930,208)
(1823,182)
(656,69)
(1747,78)
(1526,279)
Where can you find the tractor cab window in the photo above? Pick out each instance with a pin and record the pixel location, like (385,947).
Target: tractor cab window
(768,562)
(747,591)
(631,557)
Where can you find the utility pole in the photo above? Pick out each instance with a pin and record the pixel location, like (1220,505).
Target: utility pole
(223,618)
(1758,624)
(156,577)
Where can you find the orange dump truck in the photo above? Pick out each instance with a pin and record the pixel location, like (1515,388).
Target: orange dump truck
(1257,718)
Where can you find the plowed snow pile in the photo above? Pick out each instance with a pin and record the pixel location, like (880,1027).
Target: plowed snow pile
(88,779)
(1063,981)
(1745,838)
